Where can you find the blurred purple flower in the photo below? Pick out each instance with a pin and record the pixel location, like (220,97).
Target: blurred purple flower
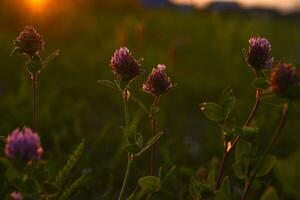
(124,66)
(158,81)
(29,42)
(258,55)
(284,79)
(24,145)
(16,196)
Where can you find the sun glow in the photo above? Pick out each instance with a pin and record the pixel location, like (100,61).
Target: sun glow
(38,5)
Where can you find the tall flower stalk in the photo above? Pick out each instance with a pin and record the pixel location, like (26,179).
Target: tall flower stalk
(30,43)
(157,84)
(285,82)
(249,182)
(258,58)
(125,69)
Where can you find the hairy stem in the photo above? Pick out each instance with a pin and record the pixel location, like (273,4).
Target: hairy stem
(267,151)
(153,126)
(34,79)
(229,148)
(125,181)
(125,97)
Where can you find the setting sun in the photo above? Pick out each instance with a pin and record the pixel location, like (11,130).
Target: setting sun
(38,5)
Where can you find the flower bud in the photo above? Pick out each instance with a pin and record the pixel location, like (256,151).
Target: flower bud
(258,55)
(158,82)
(24,145)
(124,66)
(285,81)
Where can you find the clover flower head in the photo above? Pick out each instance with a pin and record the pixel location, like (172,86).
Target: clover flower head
(16,196)
(258,55)
(284,80)
(158,81)
(124,66)
(24,145)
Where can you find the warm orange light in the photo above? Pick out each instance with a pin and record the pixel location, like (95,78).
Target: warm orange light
(38,5)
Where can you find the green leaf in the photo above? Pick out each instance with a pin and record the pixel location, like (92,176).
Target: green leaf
(150,184)
(140,104)
(261,83)
(108,83)
(213,111)
(131,148)
(240,169)
(16,50)
(225,188)
(149,143)
(246,132)
(154,110)
(270,194)
(165,178)
(10,172)
(228,100)
(288,173)
(211,178)
(194,190)
(50,58)
(72,161)
(34,65)
(72,188)
(139,139)
(266,167)
(242,150)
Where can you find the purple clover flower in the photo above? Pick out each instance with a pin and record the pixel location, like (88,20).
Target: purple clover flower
(284,80)
(29,42)
(124,66)
(16,196)
(158,81)
(24,145)
(258,55)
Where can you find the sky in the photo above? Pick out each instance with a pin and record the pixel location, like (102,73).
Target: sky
(283,5)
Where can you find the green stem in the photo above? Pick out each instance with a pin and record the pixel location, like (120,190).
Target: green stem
(129,165)
(153,126)
(267,151)
(228,149)
(34,101)
(125,97)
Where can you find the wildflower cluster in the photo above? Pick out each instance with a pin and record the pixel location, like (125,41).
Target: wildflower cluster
(24,170)
(283,81)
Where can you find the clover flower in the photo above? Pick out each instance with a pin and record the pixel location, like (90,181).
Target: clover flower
(29,42)
(124,66)
(16,196)
(285,80)
(24,145)
(258,55)
(158,81)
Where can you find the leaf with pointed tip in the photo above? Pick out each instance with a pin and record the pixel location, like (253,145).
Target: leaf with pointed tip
(50,58)
(108,83)
(150,184)
(261,83)
(266,167)
(213,111)
(228,100)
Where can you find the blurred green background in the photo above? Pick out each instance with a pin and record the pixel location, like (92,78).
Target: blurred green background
(203,55)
